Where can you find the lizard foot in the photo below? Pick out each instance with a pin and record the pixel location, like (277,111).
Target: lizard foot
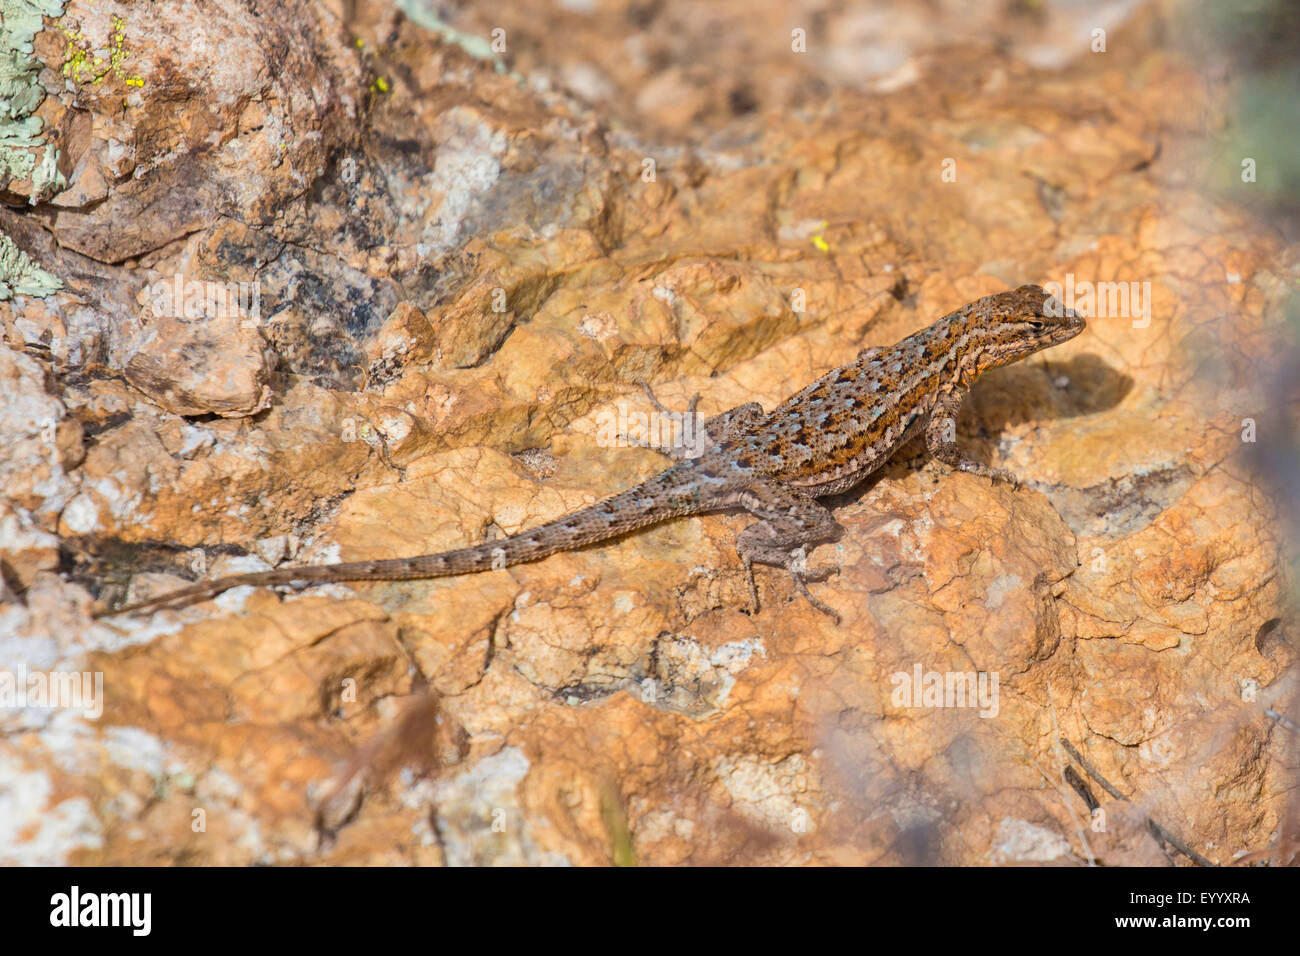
(663,409)
(994,475)
(796,564)
(972,467)
(789,521)
(686,432)
(800,582)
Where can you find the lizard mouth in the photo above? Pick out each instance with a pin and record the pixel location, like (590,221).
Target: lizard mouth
(1063,324)
(1074,324)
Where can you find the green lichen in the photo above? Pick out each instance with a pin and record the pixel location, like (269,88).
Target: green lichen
(24,154)
(18,274)
(23,151)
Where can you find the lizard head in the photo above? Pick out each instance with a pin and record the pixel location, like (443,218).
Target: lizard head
(1020,322)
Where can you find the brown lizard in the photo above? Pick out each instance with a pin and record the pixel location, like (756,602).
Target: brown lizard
(821,441)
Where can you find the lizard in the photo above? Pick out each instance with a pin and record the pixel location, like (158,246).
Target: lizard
(821,441)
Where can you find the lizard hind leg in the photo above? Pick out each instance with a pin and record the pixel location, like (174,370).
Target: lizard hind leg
(789,522)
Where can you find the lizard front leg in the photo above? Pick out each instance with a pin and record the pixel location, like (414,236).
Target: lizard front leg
(789,522)
(697,435)
(941,439)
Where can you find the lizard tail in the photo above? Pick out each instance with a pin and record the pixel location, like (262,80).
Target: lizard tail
(669,494)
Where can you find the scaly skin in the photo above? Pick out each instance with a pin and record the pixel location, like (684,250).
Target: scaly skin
(821,441)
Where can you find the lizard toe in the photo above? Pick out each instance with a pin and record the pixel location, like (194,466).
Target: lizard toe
(802,587)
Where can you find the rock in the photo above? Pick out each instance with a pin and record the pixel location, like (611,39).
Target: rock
(24,548)
(214,367)
(262,125)
(32,423)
